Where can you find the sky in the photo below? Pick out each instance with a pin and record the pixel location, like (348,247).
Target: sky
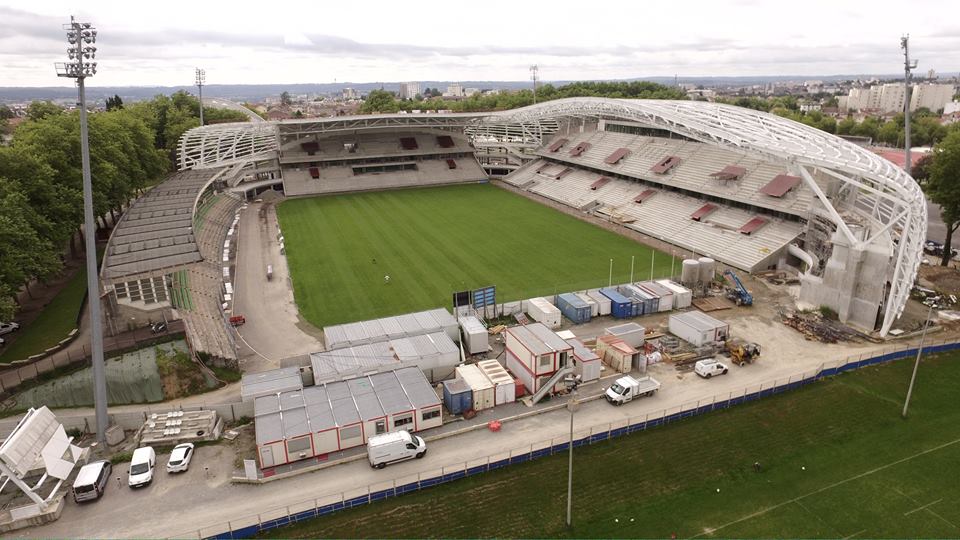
(143,43)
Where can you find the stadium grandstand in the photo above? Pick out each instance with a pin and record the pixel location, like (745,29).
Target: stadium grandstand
(750,189)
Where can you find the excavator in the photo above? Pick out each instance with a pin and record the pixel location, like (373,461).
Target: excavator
(742,352)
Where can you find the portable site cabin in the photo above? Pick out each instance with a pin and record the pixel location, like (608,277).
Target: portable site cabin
(586,362)
(573,308)
(603,302)
(435,354)
(594,306)
(534,353)
(387,328)
(475,338)
(503,384)
(682,296)
(621,307)
(484,394)
(542,311)
(620,356)
(274,381)
(698,328)
(665,294)
(457,396)
(631,333)
(318,420)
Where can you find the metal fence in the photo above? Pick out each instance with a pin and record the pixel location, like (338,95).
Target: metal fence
(280,516)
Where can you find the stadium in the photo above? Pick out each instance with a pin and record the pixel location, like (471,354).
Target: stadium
(749,189)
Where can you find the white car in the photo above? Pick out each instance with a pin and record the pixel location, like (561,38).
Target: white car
(180,458)
(709,367)
(7,327)
(141,467)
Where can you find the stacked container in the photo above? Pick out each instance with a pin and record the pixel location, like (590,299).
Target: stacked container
(603,302)
(594,306)
(574,308)
(457,396)
(544,312)
(504,387)
(621,307)
(484,396)
(682,296)
(665,294)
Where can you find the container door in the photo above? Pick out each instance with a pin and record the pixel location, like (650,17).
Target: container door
(266,456)
(381,427)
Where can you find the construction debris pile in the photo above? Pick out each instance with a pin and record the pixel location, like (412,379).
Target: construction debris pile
(815,327)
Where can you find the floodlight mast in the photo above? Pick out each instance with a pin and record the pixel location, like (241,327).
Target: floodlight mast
(201,78)
(535,76)
(81,52)
(908,66)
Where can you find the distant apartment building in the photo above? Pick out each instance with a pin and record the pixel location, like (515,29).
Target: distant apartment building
(454,90)
(890,97)
(350,93)
(952,107)
(932,96)
(409,90)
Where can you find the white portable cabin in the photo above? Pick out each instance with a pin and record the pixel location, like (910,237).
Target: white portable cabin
(594,306)
(318,420)
(534,353)
(698,328)
(387,328)
(504,386)
(254,385)
(631,333)
(435,354)
(542,311)
(586,362)
(682,296)
(665,294)
(474,335)
(484,394)
(603,303)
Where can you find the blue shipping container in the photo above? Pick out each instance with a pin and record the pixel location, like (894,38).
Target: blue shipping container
(573,308)
(457,396)
(621,307)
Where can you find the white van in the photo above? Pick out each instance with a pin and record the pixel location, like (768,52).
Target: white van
(91,481)
(393,447)
(141,466)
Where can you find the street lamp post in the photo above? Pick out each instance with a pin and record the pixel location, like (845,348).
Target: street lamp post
(81,37)
(572,406)
(201,78)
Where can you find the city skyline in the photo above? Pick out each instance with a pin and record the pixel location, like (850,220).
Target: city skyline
(305,43)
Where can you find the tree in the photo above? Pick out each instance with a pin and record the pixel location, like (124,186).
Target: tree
(298,114)
(5,113)
(921,169)
(285,98)
(38,110)
(379,101)
(943,185)
(114,102)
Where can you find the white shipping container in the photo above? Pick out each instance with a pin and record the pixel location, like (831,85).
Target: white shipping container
(544,312)
(475,335)
(631,333)
(504,386)
(484,396)
(698,328)
(682,296)
(602,301)
(594,306)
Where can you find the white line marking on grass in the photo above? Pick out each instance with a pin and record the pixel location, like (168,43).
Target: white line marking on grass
(922,507)
(833,485)
(861,531)
(926,507)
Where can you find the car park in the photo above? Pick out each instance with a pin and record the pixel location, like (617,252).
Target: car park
(180,458)
(91,481)
(709,367)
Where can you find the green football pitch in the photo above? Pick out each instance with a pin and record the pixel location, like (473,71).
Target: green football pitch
(433,242)
(836,461)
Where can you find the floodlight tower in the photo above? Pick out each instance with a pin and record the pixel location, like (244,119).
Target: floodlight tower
(81,52)
(201,78)
(908,65)
(534,75)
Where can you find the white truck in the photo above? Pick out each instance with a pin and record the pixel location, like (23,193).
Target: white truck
(392,447)
(709,367)
(627,388)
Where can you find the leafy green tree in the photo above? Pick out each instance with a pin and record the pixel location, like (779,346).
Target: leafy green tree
(846,126)
(379,101)
(38,110)
(943,184)
(5,113)
(285,98)
(921,169)
(114,102)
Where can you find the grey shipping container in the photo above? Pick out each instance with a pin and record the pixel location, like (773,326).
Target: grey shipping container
(573,308)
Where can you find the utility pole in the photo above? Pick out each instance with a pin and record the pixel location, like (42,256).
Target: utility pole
(535,76)
(572,406)
(916,364)
(201,78)
(81,52)
(908,65)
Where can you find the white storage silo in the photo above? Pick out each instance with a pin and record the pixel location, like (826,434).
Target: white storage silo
(690,272)
(707,268)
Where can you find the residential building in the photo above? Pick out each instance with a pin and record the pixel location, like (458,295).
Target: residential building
(454,90)
(932,96)
(409,90)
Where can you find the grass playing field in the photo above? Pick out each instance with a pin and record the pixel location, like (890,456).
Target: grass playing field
(435,241)
(837,461)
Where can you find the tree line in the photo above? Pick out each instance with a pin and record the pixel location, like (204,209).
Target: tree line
(41,193)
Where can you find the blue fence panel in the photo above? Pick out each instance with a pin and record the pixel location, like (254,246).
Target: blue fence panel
(619,431)
(499,464)
(596,437)
(356,501)
(406,488)
(454,476)
(245,532)
(329,509)
(476,470)
(380,495)
(306,514)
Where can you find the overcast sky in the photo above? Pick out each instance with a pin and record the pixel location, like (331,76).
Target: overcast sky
(319,41)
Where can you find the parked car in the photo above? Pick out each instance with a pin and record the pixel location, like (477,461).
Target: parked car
(91,481)
(7,327)
(180,458)
(141,466)
(709,367)
(393,447)
(158,327)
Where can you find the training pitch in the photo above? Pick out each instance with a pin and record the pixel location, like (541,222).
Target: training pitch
(433,242)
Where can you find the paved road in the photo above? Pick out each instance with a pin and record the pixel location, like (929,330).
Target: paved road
(273,328)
